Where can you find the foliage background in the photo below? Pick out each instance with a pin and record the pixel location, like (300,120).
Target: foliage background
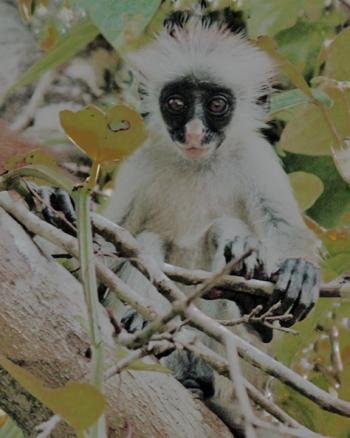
(309,125)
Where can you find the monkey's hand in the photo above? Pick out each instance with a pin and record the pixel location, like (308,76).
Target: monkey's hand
(236,248)
(297,288)
(251,266)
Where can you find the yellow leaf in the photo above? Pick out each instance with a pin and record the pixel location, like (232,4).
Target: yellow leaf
(33,157)
(3,417)
(80,404)
(104,136)
(25,8)
(307,188)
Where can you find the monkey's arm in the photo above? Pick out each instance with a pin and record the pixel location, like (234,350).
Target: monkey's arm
(289,248)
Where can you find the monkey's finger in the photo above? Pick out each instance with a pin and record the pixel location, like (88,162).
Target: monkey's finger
(237,248)
(293,292)
(282,283)
(234,250)
(250,264)
(315,294)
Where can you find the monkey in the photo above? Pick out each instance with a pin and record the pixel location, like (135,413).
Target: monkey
(206,185)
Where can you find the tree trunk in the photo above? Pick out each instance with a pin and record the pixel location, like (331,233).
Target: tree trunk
(42,322)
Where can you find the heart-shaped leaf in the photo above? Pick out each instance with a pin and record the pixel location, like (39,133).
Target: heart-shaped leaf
(104,136)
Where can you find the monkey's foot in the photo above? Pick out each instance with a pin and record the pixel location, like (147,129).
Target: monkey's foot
(58,208)
(192,372)
(133,321)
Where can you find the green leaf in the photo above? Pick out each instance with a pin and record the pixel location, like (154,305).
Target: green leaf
(338,59)
(286,100)
(302,43)
(121,21)
(313,347)
(308,132)
(334,202)
(338,264)
(80,404)
(270,17)
(79,36)
(307,188)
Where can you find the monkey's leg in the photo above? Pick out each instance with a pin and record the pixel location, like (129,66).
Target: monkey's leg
(153,245)
(193,373)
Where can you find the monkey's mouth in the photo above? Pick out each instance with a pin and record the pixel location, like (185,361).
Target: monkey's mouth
(195,150)
(195,153)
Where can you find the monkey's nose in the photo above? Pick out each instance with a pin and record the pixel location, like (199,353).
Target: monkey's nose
(194,132)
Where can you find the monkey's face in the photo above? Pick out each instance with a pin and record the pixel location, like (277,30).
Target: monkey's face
(196,114)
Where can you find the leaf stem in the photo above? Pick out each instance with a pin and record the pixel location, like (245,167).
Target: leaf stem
(92,180)
(81,196)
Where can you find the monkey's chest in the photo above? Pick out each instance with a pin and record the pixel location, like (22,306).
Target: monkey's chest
(181,211)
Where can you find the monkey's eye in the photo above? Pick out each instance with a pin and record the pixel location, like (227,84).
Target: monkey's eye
(218,105)
(175,104)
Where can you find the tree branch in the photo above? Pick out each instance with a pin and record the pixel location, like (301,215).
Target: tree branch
(212,328)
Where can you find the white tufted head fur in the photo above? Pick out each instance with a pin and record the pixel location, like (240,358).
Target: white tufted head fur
(207,52)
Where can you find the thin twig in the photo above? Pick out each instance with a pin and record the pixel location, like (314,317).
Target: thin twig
(346,4)
(27,115)
(238,384)
(45,429)
(265,319)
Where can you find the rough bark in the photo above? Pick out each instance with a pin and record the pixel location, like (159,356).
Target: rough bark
(42,322)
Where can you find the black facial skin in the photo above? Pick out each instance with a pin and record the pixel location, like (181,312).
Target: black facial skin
(189,98)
